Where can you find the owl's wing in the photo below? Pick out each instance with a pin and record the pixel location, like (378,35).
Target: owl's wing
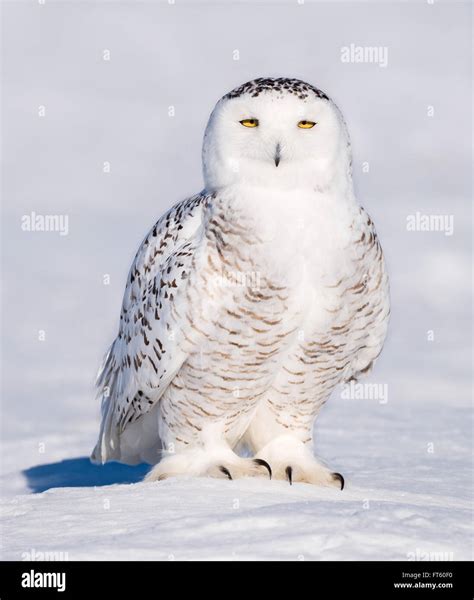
(146,354)
(373,291)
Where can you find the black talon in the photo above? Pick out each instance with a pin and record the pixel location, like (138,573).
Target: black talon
(340,478)
(226,471)
(263,463)
(289,472)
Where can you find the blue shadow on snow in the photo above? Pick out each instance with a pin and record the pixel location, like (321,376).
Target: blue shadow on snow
(80,472)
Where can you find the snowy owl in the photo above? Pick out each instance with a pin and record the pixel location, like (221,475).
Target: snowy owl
(247,304)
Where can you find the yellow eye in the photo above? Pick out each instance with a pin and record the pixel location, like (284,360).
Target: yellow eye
(249,122)
(306,124)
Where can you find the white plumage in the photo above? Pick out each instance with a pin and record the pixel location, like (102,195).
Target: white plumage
(248,303)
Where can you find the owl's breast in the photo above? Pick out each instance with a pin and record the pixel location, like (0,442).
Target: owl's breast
(282,265)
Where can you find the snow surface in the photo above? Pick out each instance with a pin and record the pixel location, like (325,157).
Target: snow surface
(407,462)
(400,501)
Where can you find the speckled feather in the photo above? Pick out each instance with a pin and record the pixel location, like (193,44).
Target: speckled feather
(283,85)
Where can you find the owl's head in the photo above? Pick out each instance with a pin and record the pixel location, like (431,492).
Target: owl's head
(276,132)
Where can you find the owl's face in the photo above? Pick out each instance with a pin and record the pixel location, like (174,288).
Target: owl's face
(275,132)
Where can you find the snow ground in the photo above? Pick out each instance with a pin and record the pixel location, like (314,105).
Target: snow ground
(407,462)
(401,499)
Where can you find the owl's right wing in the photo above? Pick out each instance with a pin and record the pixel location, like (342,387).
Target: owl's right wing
(146,354)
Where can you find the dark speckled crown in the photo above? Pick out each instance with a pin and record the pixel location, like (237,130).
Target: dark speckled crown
(297,87)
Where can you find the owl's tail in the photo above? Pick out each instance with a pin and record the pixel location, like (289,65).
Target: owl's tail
(139,442)
(108,444)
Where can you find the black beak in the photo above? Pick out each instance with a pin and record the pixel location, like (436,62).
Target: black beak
(277,156)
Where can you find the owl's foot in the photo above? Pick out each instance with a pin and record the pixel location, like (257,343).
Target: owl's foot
(243,467)
(293,461)
(328,479)
(202,462)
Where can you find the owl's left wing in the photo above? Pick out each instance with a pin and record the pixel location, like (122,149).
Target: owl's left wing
(147,353)
(369,292)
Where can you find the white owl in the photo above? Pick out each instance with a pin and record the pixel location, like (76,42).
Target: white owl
(247,304)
